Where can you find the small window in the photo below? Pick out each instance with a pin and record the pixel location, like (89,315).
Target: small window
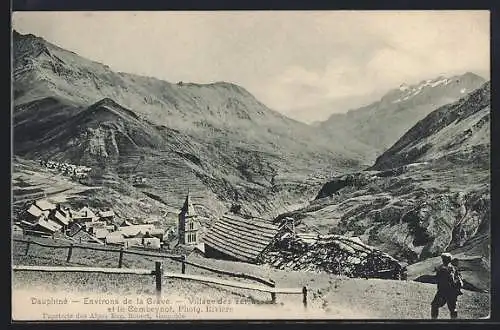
(191,225)
(189,238)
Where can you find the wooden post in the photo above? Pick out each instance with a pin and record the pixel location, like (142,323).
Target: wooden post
(27,247)
(120,259)
(70,251)
(304,294)
(273,294)
(158,276)
(183,269)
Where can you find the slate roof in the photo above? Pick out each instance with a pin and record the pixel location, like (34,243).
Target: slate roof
(45,205)
(132,231)
(61,218)
(86,212)
(74,229)
(101,233)
(34,211)
(242,239)
(86,237)
(49,225)
(157,231)
(115,238)
(106,214)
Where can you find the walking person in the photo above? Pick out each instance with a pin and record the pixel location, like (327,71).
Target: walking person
(446,288)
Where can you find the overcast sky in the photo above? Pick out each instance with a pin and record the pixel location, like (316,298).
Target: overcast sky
(288,60)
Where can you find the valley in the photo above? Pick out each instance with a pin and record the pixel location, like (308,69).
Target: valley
(408,176)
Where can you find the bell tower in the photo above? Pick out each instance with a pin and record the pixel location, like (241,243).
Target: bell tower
(188,224)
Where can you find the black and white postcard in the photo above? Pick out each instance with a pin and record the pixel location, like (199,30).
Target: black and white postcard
(176,165)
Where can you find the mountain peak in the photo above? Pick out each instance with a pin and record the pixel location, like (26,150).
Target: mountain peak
(403,87)
(406,92)
(17,34)
(466,120)
(472,76)
(401,108)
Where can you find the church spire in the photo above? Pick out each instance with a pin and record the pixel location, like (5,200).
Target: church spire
(188,208)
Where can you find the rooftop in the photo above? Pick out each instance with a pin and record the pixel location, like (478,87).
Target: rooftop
(34,211)
(133,230)
(188,207)
(242,239)
(45,205)
(106,214)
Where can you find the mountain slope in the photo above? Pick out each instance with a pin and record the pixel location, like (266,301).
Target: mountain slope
(458,129)
(417,207)
(213,139)
(381,123)
(42,69)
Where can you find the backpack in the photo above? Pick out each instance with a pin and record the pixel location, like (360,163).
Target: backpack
(457,279)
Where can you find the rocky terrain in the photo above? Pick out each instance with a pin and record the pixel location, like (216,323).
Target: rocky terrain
(380,124)
(334,254)
(427,194)
(458,132)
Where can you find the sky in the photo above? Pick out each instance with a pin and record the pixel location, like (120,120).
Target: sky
(304,64)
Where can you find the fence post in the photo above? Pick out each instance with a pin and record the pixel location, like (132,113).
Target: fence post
(27,247)
(183,269)
(120,259)
(70,251)
(304,294)
(273,294)
(158,277)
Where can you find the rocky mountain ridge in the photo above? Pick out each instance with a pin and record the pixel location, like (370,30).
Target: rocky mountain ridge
(212,139)
(417,207)
(445,132)
(380,124)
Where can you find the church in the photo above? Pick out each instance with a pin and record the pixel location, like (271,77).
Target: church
(189,225)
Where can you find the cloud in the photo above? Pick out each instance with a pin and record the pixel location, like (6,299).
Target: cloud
(288,59)
(388,49)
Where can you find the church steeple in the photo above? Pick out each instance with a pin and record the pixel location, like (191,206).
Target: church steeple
(188,208)
(188,223)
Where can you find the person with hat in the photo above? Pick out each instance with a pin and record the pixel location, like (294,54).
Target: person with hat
(446,292)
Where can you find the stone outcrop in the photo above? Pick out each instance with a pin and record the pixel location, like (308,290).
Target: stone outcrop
(335,254)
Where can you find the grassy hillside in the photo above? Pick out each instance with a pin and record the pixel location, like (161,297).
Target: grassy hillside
(330,296)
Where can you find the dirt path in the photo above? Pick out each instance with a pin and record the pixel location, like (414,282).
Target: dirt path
(329,296)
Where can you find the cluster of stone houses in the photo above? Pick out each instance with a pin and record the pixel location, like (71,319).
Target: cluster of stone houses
(43,218)
(75,171)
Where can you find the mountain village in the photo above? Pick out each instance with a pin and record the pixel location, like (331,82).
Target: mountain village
(233,237)
(206,175)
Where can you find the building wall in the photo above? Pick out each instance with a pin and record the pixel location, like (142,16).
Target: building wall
(216,254)
(188,228)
